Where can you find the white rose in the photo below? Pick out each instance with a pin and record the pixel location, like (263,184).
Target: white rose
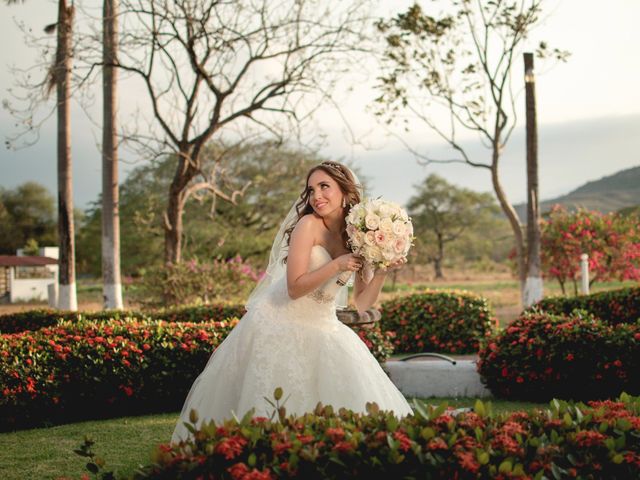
(389,254)
(385,210)
(398,228)
(358,239)
(370,238)
(372,221)
(386,225)
(399,245)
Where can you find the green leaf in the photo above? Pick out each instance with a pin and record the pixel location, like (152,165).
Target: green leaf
(505,467)
(479,408)
(277,393)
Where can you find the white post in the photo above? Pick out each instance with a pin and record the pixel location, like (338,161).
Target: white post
(584,273)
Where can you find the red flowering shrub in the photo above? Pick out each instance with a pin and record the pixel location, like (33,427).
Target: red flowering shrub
(540,356)
(119,367)
(612,242)
(595,440)
(613,306)
(437,321)
(84,369)
(37,319)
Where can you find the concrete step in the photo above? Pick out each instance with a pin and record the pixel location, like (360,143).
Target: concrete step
(436,378)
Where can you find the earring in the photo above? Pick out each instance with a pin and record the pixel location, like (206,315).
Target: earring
(344,202)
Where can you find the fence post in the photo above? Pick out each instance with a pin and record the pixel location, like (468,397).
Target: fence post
(584,273)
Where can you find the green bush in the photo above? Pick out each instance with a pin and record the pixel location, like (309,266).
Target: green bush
(435,320)
(598,440)
(540,356)
(37,319)
(613,306)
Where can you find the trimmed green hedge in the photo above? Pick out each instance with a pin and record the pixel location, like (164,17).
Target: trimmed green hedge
(37,319)
(613,306)
(540,356)
(436,320)
(598,440)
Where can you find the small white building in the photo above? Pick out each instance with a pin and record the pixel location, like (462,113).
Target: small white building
(28,277)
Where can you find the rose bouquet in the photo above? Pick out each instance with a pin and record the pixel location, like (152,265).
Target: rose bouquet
(380,232)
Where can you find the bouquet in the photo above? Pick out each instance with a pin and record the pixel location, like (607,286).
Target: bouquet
(380,232)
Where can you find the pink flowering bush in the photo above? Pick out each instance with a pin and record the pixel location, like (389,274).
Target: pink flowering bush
(612,242)
(596,440)
(437,321)
(193,281)
(540,356)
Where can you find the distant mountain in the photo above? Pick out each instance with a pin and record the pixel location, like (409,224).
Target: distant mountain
(609,194)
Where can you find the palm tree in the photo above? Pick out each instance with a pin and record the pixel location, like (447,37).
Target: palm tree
(112,287)
(60,77)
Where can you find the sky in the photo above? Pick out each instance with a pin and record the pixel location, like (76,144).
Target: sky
(588,113)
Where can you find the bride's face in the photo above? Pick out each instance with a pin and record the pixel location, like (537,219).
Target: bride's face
(325,195)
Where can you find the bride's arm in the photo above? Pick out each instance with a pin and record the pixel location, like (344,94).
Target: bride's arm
(299,280)
(366,294)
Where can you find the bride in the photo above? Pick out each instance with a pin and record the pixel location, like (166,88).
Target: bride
(290,336)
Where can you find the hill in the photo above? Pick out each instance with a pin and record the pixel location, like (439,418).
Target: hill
(608,194)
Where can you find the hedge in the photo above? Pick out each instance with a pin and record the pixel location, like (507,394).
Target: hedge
(36,319)
(540,356)
(436,320)
(84,369)
(613,306)
(597,440)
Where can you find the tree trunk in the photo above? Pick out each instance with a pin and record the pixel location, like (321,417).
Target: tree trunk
(533,288)
(437,261)
(175,207)
(111,282)
(511,215)
(67,299)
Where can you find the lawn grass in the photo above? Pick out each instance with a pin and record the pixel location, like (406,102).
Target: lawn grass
(125,443)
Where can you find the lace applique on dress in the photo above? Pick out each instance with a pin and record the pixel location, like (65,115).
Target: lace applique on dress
(320,296)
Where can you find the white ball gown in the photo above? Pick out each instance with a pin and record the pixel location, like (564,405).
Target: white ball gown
(299,345)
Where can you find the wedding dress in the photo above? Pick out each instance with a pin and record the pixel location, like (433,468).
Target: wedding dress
(299,345)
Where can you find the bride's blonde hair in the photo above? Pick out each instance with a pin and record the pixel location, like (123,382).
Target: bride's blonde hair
(345,180)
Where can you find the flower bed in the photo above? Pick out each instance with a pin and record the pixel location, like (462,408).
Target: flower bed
(37,319)
(596,440)
(84,369)
(614,306)
(440,321)
(540,356)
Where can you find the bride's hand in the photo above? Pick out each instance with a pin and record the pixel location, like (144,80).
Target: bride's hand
(349,262)
(394,266)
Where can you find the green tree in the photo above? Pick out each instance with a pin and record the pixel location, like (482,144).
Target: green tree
(442,212)
(26,212)
(266,177)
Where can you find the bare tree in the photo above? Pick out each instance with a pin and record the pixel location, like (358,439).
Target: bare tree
(208,64)
(460,64)
(111,283)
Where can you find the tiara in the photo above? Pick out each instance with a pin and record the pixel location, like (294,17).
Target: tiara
(334,167)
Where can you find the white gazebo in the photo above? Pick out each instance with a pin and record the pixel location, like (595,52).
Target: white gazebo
(28,277)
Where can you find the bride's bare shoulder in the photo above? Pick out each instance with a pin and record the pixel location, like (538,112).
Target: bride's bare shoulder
(308,224)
